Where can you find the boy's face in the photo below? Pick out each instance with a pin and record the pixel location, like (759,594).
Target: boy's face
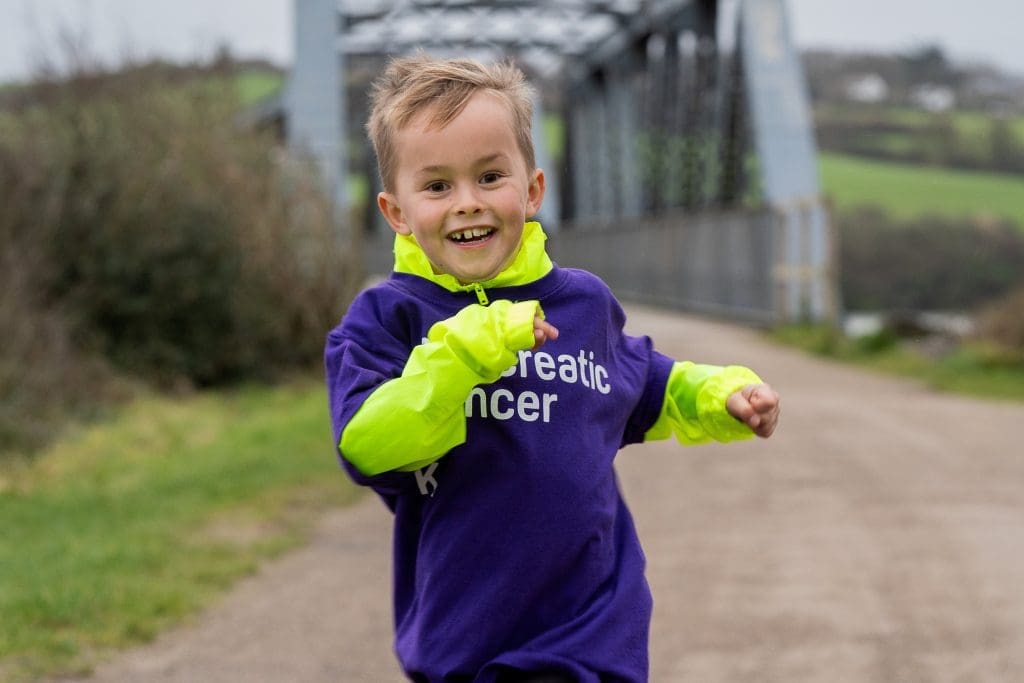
(463,191)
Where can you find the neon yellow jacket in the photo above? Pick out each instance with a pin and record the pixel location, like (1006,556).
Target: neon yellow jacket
(412,420)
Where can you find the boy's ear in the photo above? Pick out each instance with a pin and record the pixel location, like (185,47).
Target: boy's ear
(392,212)
(535,193)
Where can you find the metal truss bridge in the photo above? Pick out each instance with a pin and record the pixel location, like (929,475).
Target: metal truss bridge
(676,137)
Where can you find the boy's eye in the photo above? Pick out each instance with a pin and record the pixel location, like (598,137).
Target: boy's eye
(490,177)
(437,186)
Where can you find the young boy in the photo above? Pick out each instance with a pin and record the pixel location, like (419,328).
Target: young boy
(489,432)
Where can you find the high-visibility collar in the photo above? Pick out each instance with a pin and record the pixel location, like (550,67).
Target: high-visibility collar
(530,264)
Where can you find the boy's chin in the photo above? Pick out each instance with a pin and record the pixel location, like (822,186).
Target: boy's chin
(470,276)
(465,277)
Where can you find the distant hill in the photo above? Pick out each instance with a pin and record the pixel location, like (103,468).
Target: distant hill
(255,79)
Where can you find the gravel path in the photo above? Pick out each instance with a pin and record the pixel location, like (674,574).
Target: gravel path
(878,536)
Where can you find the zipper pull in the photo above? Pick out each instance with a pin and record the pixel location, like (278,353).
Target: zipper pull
(481,295)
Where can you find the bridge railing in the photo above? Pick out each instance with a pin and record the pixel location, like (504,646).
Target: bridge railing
(751,265)
(709,262)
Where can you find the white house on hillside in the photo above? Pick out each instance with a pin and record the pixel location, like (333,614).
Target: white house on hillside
(867,88)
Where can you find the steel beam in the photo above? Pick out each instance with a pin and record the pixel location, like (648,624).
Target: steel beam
(316,99)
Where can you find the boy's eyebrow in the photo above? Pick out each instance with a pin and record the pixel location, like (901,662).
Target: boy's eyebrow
(437,168)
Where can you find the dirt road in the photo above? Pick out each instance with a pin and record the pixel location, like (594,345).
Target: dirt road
(879,536)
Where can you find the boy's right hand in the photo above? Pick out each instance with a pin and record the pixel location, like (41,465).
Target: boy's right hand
(543,331)
(488,339)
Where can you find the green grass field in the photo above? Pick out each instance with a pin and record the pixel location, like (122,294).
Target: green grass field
(907,191)
(126,527)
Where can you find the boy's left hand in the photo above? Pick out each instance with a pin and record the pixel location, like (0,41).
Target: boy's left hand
(757,406)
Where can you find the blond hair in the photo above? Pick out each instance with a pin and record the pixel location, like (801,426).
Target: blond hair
(413,84)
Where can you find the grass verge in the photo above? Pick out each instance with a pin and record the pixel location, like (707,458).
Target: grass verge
(127,527)
(969,369)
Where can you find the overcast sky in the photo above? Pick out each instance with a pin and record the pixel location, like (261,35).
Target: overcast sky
(985,30)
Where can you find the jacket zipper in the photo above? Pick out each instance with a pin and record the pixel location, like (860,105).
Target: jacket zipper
(481,295)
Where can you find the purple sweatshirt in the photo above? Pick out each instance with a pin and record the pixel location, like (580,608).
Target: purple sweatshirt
(515,548)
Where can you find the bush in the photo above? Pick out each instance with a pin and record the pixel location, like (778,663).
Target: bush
(929,263)
(42,376)
(1002,323)
(149,231)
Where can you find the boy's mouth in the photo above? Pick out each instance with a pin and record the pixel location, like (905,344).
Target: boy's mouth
(471,235)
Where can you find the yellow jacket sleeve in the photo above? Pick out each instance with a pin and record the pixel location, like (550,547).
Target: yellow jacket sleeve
(412,420)
(694,406)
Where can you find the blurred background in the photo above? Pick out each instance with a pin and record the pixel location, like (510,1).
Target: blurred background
(171,254)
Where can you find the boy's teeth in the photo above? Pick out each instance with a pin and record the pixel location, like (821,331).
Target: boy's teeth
(471,233)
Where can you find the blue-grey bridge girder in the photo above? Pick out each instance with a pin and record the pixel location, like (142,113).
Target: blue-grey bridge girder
(562,28)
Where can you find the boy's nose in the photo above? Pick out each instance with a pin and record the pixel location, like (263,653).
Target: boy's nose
(467,202)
